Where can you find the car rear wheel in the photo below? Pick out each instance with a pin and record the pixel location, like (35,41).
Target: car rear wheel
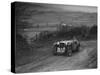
(69,53)
(78,48)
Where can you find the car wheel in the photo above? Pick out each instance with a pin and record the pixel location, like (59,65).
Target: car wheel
(69,53)
(78,48)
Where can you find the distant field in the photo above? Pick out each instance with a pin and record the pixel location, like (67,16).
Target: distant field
(48,21)
(52,18)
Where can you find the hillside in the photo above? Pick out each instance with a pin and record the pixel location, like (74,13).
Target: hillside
(30,14)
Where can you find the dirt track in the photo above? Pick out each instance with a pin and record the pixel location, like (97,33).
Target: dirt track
(49,62)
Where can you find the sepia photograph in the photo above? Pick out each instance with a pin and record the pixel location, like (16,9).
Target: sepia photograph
(53,37)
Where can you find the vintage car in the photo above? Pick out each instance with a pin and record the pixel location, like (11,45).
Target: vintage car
(66,47)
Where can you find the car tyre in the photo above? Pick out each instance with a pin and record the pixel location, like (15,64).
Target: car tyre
(69,53)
